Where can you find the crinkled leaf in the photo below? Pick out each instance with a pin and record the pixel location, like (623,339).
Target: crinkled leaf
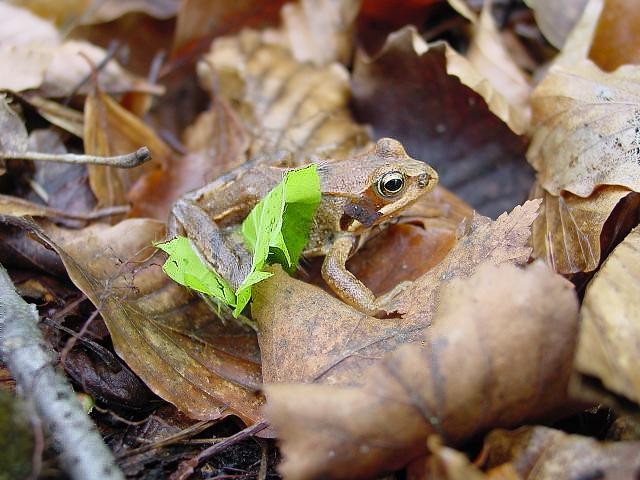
(185,267)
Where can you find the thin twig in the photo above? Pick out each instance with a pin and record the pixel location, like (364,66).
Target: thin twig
(187,467)
(82,450)
(129,160)
(113,48)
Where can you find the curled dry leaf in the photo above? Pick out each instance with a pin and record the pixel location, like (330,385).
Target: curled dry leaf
(345,341)
(505,240)
(426,232)
(608,348)
(107,10)
(216,143)
(499,353)
(541,453)
(570,231)
(617,35)
(578,42)
(110,129)
(166,335)
(501,82)
(204,19)
(557,19)
(35,54)
(283,104)
(14,133)
(318,31)
(87,12)
(453,127)
(586,125)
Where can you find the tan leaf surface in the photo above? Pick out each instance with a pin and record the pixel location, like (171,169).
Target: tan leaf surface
(35,54)
(585,129)
(617,35)
(541,453)
(320,31)
(578,42)
(167,335)
(499,353)
(505,240)
(216,143)
(568,233)
(426,233)
(109,129)
(503,85)
(557,19)
(283,104)
(445,112)
(610,321)
(205,19)
(68,12)
(345,341)
(14,133)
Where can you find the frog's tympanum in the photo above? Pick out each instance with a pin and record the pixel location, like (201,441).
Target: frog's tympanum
(358,194)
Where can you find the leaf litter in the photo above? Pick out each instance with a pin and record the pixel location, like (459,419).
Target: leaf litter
(479,339)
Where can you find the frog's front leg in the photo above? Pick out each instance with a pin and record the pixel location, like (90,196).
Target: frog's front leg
(346,285)
(225,254)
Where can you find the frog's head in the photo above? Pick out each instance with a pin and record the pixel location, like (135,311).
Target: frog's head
(376,186)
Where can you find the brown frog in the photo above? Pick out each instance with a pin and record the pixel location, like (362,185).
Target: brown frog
(358,194)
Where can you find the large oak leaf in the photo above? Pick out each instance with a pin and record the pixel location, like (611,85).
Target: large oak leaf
(164,333)
(499,353)
(610,322)
(431,99)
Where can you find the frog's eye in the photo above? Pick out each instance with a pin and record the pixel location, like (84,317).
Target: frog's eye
(391,184)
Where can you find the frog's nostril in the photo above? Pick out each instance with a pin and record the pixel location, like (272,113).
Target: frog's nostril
(423,180)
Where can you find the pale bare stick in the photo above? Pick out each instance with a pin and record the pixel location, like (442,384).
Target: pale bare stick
(82,450)
(129,160)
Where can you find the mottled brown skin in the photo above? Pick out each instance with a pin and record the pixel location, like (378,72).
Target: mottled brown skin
(354,200)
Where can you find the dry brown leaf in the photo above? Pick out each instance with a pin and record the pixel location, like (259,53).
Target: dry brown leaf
(319,31)
(345,341)
(283,104)
(423,95)
(503,85)
(568,233)
(585,129)
(165,334)
(426,233)
(505,240)
(33,51)
(557,19)
(617,35)
(205,19)
(610,322)
(540,453)
(578,42)
(216,143)
(109,129)
(65,186)
(14,133)
(70,12)
(499,353)
(107,10)
(445,463)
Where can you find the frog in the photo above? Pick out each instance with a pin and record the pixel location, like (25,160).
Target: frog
(359,194)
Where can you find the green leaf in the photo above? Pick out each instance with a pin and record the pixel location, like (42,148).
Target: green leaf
(275,231)
(185,267)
